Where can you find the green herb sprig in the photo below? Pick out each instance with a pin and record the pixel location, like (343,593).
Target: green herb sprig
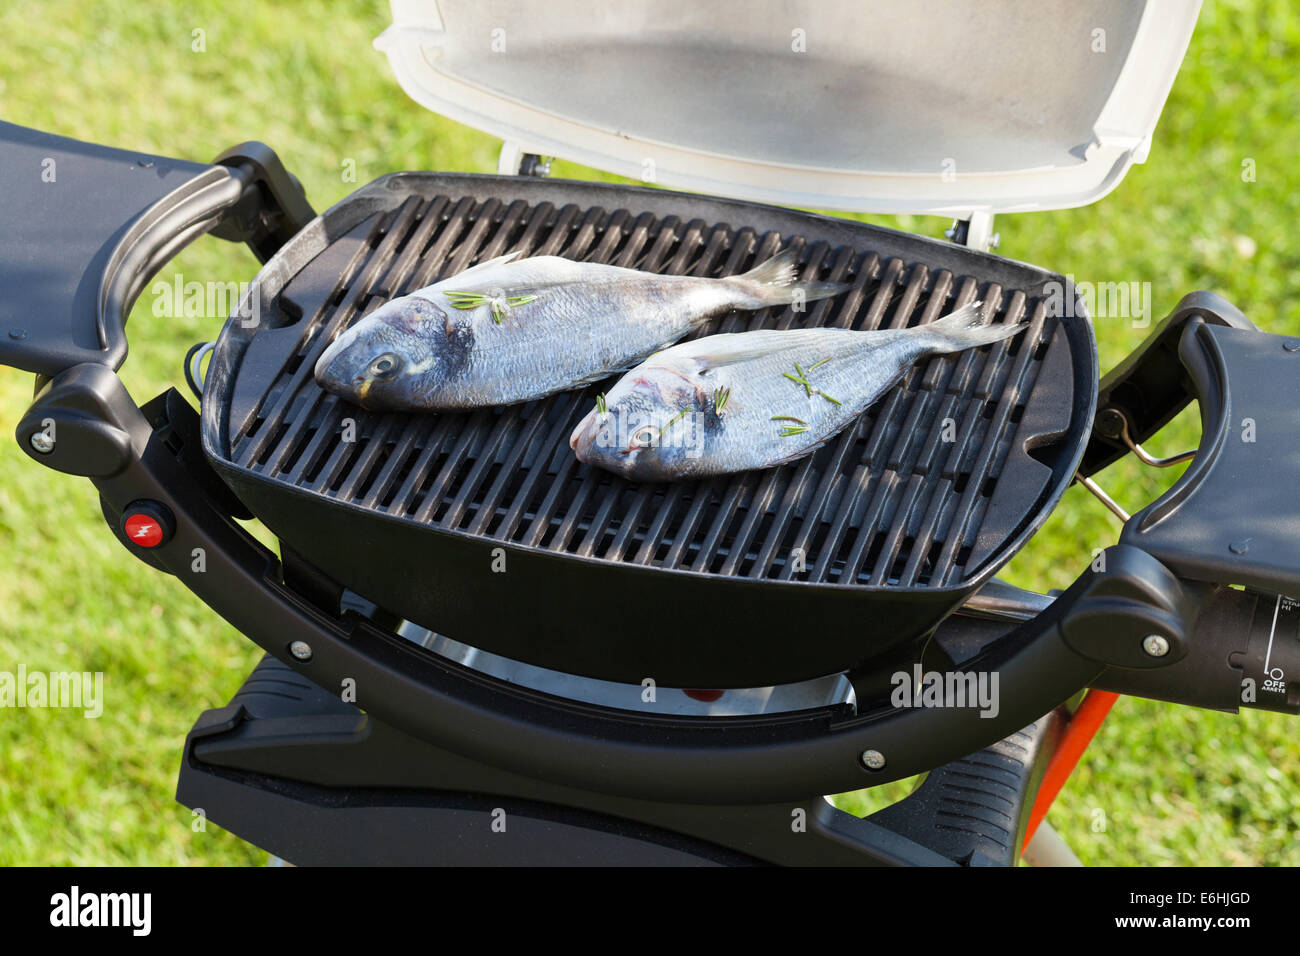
(673,421)
(472,300)
(801,378)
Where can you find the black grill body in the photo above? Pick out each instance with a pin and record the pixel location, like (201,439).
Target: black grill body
(484,527)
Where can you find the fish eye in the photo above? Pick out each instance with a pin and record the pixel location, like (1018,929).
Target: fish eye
(643,437)
(385,366)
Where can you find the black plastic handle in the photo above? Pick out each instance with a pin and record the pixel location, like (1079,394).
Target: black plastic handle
(87,227)
(1151,385)
(72,252)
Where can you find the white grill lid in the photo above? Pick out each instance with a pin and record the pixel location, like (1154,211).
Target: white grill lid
(922,106)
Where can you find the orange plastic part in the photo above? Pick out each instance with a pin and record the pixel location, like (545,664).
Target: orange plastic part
(1083,726)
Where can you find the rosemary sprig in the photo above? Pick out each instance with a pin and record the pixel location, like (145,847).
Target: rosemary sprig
(674,420)
(602,407)
(788,418)
(472,300)
(801,378)
(721,396)
(792,430)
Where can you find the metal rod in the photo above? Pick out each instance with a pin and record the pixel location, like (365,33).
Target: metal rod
(1048,849)
(1001,601)
(1143,455)
(1101,496)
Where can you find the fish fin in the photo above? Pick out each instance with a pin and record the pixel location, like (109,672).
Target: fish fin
(482,266)
(730,348)
(965,329)
(774,282)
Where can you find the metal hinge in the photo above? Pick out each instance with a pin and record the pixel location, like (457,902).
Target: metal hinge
(975,232)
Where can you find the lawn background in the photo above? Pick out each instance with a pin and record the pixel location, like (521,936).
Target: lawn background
(1175,785)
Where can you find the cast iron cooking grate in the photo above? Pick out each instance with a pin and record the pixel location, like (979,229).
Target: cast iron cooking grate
(897,500)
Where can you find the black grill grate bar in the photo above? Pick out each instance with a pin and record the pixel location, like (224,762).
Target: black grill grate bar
(898,465)
(980,469)
(924,535)
(730,489)
(433,261)
(901,400)
(868,272)
(590,477)
(369,455)
(541,523)
(485,457)
(857,485)
(406,496)
(391,283)
(796,479)
(510,465)
(918,486)
(463,496)
(821,494)
(718,243)
(406,446)
(433,495)
(742,250)
(518,510)
(759,489)
(480,221)
(330,416)
(400,223)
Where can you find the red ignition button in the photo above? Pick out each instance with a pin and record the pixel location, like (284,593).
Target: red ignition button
(147,524)
(707,696)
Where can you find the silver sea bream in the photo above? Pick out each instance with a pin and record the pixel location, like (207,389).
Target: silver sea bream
(513,330)
(751,400)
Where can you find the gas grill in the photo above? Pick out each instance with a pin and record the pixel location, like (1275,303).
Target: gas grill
(463,624)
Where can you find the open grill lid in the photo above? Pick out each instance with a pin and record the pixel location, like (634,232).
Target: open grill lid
(936,106)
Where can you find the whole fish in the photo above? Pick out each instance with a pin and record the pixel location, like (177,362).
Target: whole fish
(748,400)
(510,331)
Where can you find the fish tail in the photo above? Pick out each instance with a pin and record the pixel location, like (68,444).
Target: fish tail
(775,282)
(964,329)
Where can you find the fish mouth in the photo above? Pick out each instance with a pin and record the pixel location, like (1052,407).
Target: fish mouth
(584,437)
(332,351)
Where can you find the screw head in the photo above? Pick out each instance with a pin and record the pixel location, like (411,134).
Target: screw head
(1155,645)
(43,443)
(873,759)
(300,650)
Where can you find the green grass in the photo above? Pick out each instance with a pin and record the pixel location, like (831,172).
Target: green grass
(1176,785)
